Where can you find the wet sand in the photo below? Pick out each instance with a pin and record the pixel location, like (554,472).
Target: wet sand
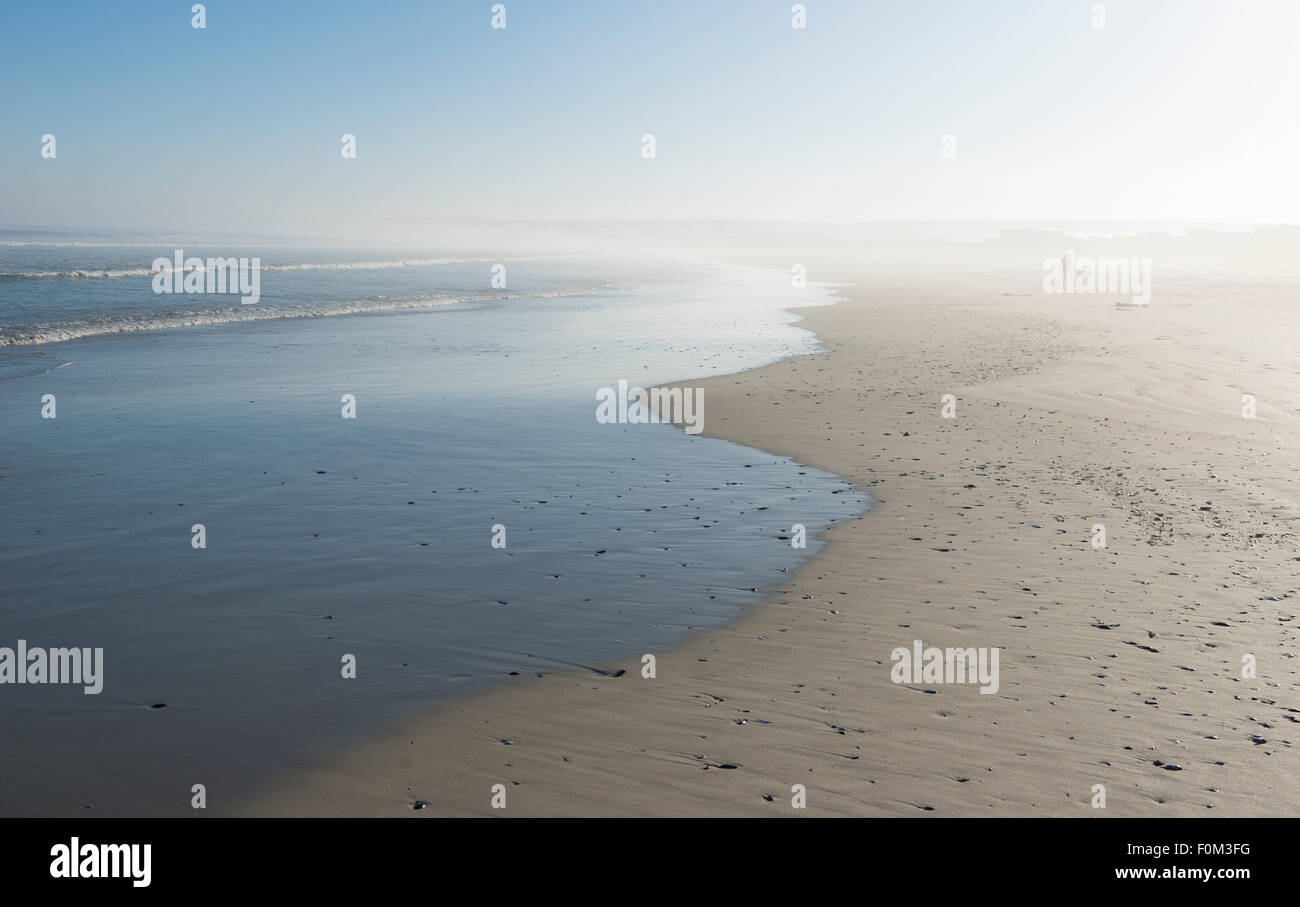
(1120,666)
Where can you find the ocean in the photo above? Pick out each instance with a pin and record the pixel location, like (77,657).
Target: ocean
(180,418)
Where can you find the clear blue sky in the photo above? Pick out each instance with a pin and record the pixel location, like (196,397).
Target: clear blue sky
(238,126)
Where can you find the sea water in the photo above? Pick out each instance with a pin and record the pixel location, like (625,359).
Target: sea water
(326,538)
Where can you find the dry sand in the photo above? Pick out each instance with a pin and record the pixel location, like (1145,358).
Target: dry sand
(1070,411)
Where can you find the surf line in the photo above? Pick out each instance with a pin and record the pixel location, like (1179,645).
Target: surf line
(216,275)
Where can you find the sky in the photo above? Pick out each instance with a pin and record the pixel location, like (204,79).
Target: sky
(1180,111)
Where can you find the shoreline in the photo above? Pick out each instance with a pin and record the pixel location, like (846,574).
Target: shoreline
(354,514)
(309,783)
(980,539)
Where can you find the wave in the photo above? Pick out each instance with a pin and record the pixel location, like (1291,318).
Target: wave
(129,323)
(91,273)
(75,275)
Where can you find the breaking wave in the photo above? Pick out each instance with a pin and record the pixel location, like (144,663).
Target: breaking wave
(93,273)
(126,323)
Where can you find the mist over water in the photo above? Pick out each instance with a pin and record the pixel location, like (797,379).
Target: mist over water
(53,290)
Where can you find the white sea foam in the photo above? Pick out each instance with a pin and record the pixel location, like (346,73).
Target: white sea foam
(128,323)
(91,273)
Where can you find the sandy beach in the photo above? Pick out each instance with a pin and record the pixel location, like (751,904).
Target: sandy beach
(1121,666)
(650,411)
